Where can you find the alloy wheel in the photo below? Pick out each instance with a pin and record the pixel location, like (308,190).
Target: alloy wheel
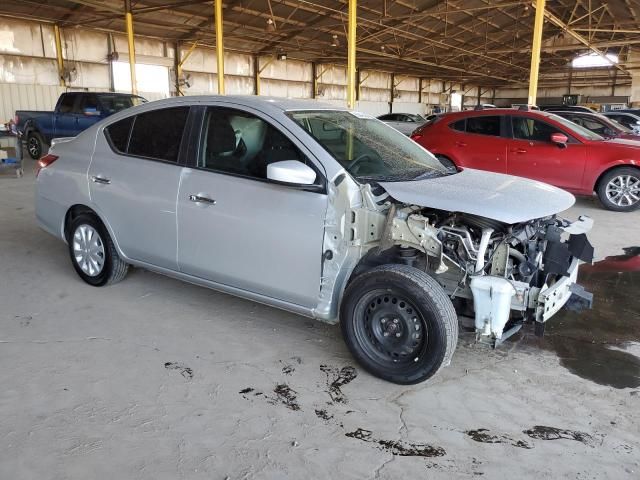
(624,190)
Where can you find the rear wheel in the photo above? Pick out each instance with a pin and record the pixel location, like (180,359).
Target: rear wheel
(35,145)
(399,324)
(619,189)
(93,253)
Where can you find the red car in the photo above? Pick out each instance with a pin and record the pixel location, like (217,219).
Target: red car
(541,146)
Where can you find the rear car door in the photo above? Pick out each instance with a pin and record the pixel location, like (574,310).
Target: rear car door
(133,179)
(479,142)
(239,229)
(532,154)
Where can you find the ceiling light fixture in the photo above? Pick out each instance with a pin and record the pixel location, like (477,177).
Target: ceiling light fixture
(271,26)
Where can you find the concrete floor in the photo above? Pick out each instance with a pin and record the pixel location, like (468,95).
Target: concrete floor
(157,379)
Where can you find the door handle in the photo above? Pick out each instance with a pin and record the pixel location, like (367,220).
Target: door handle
(461,144)
(99,179)
(201,199)
(518,150)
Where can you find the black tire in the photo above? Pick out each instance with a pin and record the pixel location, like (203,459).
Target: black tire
(113,268)
(424,337)
(35,145)
(608,182)
(447,163)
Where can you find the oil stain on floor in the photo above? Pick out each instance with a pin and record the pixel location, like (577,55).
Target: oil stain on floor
(592,343)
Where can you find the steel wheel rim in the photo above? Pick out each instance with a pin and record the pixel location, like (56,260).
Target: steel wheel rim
(390,329)
(88,250)
(33,146)
(623,190)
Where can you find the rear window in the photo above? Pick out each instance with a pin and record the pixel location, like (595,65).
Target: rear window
(118,134)
(157,134)
(484,125)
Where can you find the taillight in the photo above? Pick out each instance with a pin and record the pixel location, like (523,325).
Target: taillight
(44,162)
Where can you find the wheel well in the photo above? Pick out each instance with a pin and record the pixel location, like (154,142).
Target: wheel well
(395,255)
(73,213)
(597,184)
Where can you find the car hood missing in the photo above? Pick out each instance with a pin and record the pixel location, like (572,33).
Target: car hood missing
(500,197)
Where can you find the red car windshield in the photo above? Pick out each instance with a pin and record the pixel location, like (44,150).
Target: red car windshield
(577,129)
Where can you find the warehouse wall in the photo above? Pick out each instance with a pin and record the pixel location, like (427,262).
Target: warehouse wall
(29,77)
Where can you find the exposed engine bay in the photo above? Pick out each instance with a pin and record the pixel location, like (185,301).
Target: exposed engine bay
(501,274)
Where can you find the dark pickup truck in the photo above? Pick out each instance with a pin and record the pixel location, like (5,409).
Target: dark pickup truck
(74,112)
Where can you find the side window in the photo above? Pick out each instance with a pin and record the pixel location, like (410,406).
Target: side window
(66,104)
(118,134)
(484,125)
(526,128)
(386,117)
(89,104)
(158,133)
(460,125)
(240,143)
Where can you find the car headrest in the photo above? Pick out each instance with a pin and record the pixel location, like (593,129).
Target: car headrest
(221,136)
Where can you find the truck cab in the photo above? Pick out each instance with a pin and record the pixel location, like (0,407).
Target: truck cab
(74,112)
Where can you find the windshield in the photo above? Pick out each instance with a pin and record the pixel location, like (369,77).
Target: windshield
(569,125)
(114,103)
(367,148)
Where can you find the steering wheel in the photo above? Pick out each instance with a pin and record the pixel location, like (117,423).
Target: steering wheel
(355,164)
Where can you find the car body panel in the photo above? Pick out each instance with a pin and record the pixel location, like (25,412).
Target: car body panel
(504,198)
(403,122)
(575,168)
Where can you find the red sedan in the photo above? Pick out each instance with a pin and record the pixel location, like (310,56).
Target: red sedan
(541,146)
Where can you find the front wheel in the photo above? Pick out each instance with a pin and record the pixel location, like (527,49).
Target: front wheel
(35,145)
(399,323)
(93,254)
(619,190)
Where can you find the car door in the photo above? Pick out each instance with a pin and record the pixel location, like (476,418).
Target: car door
(88,112)
(478,142)
(239,229)
(65,116)
(532,154)
(133,180)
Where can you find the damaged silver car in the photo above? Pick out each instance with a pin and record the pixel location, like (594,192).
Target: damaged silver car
(324,212)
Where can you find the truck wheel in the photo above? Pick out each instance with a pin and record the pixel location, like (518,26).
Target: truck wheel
(619,189)
(35,145)
(93,254)
(399,323)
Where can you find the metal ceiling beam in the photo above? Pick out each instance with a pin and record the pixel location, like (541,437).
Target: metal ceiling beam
(573,33)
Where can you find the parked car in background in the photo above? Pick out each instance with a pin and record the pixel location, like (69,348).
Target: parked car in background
(403,122)
(317,210)
(600,124)
(627,119)
(542,146)
(565,108)
(74,112)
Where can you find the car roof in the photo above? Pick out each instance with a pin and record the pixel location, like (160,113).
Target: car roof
(496,111)
(283,104)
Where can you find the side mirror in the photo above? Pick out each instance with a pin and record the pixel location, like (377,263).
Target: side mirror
(293,172)
(559,139)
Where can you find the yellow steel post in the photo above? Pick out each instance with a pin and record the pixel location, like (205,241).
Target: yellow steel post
(132,49)
(535,52)
(56,31)
(219,45)
(351,55)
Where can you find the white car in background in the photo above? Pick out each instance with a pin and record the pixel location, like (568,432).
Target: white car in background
(403,122)
(627,119)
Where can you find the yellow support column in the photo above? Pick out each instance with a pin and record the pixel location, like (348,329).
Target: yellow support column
(351,55)
(56,32)
(535,52)
(219,45)
(132,49)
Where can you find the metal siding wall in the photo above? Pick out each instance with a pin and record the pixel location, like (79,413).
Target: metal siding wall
(26,97)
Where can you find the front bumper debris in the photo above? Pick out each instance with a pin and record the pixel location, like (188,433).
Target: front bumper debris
(552,299)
